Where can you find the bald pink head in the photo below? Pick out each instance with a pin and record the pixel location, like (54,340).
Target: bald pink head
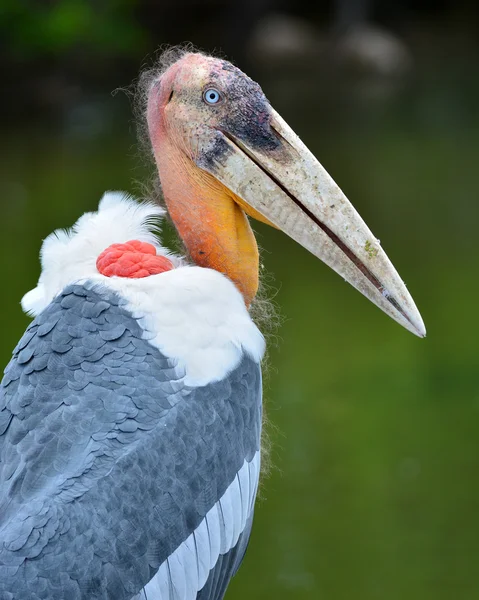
(191,107)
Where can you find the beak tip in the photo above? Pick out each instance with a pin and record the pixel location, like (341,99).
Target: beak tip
(423,333)
(418,327)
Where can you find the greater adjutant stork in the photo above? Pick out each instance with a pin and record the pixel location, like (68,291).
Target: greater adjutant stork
(130,413)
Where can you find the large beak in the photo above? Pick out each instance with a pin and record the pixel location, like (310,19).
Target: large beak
(290,188)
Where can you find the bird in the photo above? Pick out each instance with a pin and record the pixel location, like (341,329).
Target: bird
(131,410)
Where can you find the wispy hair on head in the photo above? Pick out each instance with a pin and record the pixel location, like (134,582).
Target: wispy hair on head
(163,59)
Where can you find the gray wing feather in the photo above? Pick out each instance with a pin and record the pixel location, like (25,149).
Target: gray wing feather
(108,462)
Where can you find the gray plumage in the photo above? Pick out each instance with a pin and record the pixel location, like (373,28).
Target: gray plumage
(108,461)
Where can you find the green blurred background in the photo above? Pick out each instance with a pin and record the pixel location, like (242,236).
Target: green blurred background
(374,488)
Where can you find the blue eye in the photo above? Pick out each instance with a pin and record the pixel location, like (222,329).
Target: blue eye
(211,96)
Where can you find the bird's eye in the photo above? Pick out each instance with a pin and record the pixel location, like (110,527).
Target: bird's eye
(211,96)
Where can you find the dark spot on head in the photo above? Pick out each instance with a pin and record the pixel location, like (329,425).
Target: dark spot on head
(216,154)
(248,114)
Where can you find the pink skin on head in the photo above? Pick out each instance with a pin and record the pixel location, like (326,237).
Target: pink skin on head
(174,79)
(134,260)
(157,100)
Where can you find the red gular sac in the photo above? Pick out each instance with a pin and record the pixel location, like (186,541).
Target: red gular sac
(132,259)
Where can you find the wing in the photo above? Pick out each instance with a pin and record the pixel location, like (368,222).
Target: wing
(114,475)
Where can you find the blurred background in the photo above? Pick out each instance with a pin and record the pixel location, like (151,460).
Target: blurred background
(374,489)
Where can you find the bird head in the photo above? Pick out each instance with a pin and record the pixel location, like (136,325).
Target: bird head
(223,153)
